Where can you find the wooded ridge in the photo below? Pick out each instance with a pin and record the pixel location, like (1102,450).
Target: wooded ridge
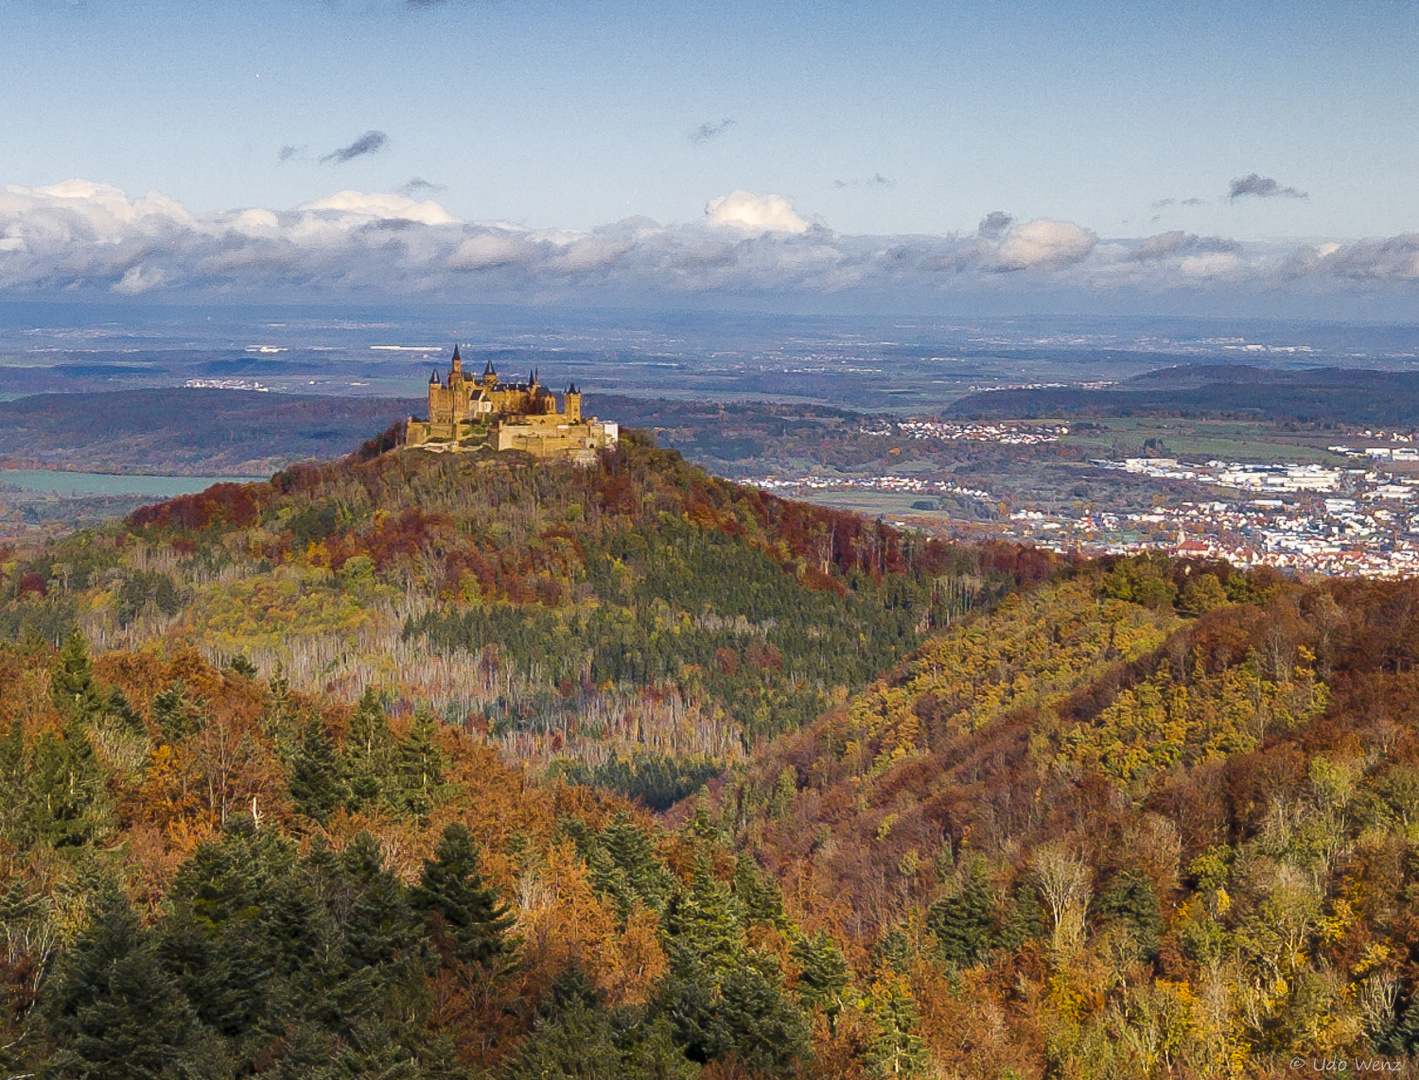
(925,810)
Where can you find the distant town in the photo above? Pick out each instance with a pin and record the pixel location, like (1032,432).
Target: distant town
(1358,518)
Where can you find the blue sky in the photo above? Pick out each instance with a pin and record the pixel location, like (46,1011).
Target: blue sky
(897,119)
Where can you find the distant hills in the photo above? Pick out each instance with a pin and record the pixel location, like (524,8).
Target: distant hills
(1221,391)
(187,431)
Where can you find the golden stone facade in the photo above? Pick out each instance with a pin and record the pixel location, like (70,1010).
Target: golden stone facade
(468,413)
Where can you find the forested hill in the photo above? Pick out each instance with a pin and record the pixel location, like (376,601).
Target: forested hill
(1151,819)
(1232,391)
(256,811)
(972,812)
(637,622)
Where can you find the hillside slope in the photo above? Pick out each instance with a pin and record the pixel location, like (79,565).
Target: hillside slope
(639,608)
(1091,837)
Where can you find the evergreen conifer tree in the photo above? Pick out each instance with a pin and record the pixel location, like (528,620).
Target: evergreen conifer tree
(419,769)
(177,717)
(369,751)
(119,707)
(823,973)
(71,681)
(758,895)
(1403,1034)
(380,928)
(578,1037)
(897,1049)
(767,1031)
(469,923)
(702,926)
(1024,919)
(241,665)
(112,1009)
(68,802)
(1130,898)
(317,781)
(961,920)
(624,864)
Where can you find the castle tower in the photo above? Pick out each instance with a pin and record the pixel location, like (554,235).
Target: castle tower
(456,375)
(490,375)
(572,408)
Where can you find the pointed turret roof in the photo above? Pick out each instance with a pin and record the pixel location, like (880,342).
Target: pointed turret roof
(434,377)
(489,370)
(456,358)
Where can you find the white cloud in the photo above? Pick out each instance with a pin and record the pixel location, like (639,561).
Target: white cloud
(1213,265)
(138,279)
(762,213)
(389,206)
(494,248)
(1043,243)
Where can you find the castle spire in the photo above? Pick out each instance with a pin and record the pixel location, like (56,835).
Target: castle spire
(488,370)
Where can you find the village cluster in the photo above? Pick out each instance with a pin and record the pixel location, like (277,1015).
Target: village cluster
(798,487)
(1006,434)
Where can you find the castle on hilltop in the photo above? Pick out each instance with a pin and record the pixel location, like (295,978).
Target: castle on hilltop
(467,413)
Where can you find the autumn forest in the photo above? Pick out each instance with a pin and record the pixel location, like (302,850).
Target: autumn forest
(417,766)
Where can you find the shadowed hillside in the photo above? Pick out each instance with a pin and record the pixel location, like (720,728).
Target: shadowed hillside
(187,431)
(1335,395)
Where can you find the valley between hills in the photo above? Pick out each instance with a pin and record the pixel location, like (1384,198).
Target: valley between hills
(478,766)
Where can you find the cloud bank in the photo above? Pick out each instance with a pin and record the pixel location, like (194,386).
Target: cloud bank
(88,239)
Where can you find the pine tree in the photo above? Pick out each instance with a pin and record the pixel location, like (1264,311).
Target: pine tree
(242,665)
(176,716)
(380,928)
(823,973)
(68,802)
(119,707)
(419,769)
(1131,899)
(71,681)
(468,921)
(768,1033)
(369,751)
(1024,920)
(897,1049)
(892,954)
(112,1009)
(578,1037)
(702,926)
(961,920)
(624,864)
(758,895)
(1403,1034)
(317,781)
